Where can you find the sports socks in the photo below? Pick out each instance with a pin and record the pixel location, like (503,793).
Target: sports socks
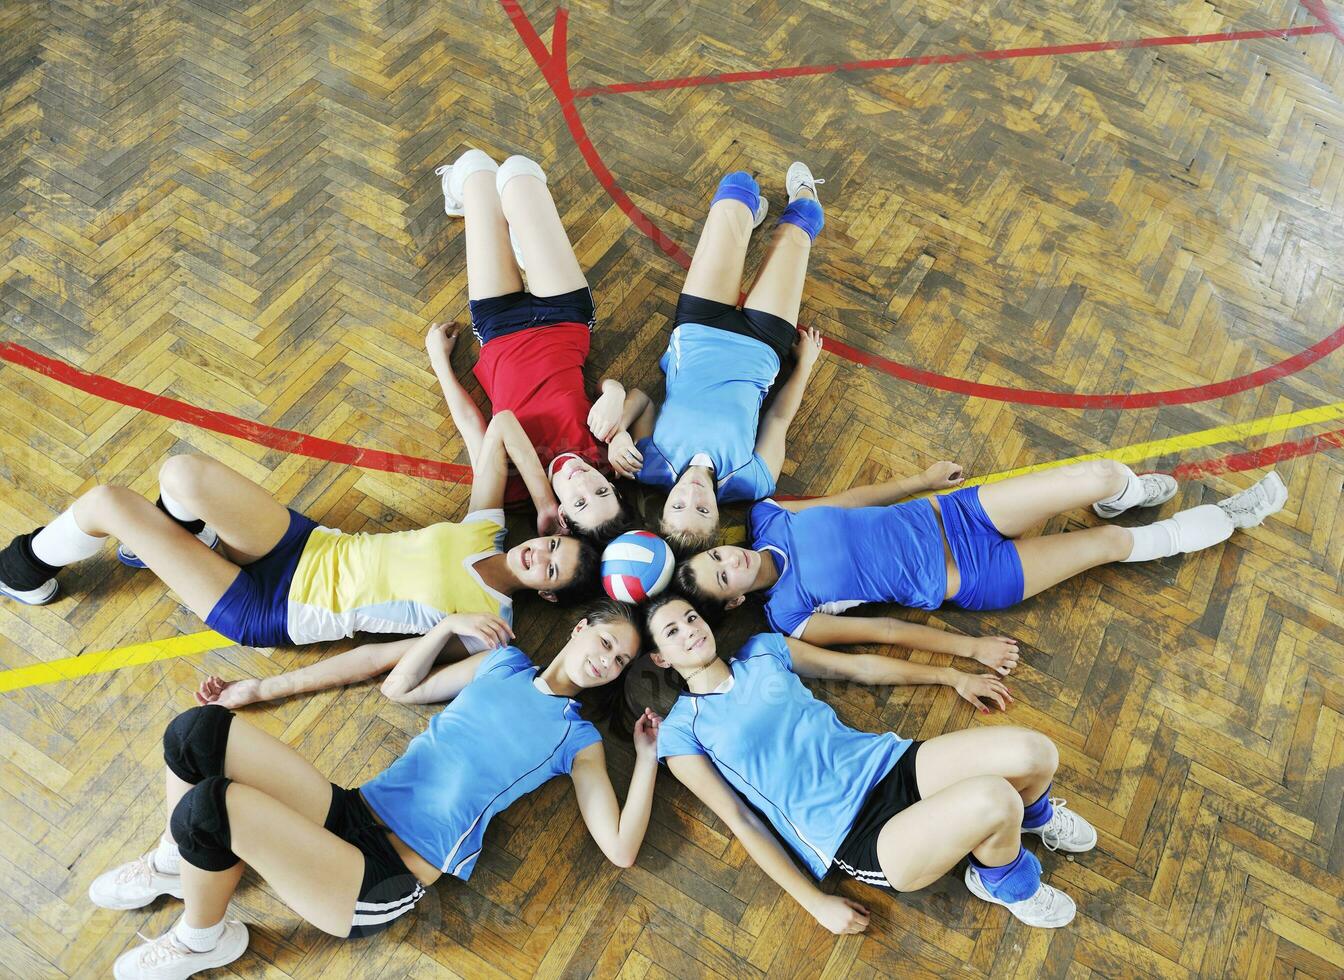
(739,186)
(167,858)
(807,214)
(198,940)
(62,542)
(1190,530)
(1038,814)
(1130,496)
(1015,881)
(178,512)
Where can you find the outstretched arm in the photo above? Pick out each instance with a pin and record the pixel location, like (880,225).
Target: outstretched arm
(944,475)
(618,830)
(772,439)
(699,775)
(997,652)
(440,341)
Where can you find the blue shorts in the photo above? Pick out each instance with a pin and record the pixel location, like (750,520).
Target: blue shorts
(501,315)
(254,612)
(990,567)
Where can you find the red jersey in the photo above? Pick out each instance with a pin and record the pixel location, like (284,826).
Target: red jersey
(538,375)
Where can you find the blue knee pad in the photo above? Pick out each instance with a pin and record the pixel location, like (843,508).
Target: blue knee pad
(200,825)
(194,742)
(1015,881)
(807,214)
(739,186)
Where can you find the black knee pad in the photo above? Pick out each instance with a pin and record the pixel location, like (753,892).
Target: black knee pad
(194,742)
(200,825)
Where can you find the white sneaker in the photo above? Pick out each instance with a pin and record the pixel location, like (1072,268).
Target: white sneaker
(1158,488)
(1066,830)
(207,537)
(758,216)
(166,958)
(452,177)
(1250,507)
(799,177)
(1049,908)
(133,885)
(39,596)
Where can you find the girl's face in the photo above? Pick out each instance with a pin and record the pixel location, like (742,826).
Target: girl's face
(587,498)
(691,505)
(545,564)
(684,641)
(597,652)
(726,572)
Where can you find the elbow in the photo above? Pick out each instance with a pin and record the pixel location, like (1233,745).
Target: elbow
(394,692)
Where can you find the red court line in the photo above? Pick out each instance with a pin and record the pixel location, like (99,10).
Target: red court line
(953,58)
(230,425)
(1318,9)
(554,65)
(1258,458)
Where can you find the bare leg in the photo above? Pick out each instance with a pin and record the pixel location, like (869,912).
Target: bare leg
(779,283)
(1018,504)
(206,894)
(551,266)
(981,816)
(716,267)
(491,269)
(198,575)
(1026,759)
(248,520)
(1052,558)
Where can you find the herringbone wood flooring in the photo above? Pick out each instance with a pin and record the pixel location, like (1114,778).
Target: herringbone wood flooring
(234,205)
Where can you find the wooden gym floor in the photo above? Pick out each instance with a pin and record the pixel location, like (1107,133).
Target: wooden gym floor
(1054,228)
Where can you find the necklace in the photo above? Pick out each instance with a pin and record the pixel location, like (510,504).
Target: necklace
(695,673)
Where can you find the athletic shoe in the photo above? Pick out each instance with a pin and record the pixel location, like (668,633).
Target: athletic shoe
(797,178)
(1250,507)
(39,596)
(758,216)
(166,958)
(126,556)
(1049,908)
(452,177)
(1158,488)
(133,885)
(1065,831)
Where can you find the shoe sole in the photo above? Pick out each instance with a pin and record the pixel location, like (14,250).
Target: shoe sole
(28,602)
(978,890)
(123,907)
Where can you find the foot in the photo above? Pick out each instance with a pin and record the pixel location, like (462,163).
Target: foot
(1066,830)
(39,596)
(207,537)
(133,885)
(1049,908)
(166,958)
(1158,488)
(453,176)
(1250,507)
(799,182)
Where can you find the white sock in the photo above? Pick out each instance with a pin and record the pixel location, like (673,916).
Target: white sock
(199,940)
(175,507)
(1190,530)
(1128,497)
(167,858)
(62,542)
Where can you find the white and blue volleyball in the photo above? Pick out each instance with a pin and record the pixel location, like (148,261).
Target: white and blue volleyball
(636,565)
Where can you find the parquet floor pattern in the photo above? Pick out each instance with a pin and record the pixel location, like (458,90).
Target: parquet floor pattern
(234,205)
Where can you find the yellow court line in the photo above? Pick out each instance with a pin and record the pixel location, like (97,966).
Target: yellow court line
(69,668)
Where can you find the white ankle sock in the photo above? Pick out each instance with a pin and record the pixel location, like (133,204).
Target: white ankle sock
(62,542)
(1129,496)
(200,940)
(1190,530)
(167,858)
(175,507)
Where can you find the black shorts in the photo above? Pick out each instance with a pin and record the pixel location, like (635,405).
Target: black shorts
(501,315)
(388,890)
(857,854)
(775,332)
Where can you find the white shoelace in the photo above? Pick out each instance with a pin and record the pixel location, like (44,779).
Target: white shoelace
(1064,823)
(165,949)
(1040,904)
(141,869)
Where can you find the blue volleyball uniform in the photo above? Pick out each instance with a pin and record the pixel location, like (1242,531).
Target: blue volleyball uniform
(785,752)
(499,739)
(716,381)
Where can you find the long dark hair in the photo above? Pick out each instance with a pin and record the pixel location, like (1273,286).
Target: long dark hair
(602,704)
(710,606)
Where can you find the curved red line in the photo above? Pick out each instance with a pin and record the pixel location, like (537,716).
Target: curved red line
(285,440)
(554,66)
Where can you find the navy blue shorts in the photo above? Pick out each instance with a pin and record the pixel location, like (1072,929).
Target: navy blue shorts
(254,612)
(991,569)
(501,315)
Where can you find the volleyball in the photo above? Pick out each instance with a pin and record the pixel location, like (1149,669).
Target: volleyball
(636,565)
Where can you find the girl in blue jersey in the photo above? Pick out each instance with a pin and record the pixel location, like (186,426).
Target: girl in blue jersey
(749,739)
(814,559)
(709,442)
(353,861)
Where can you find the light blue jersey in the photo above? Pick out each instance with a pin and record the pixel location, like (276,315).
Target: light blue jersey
(499,739)
(784,751)
(716,381)
(833,558)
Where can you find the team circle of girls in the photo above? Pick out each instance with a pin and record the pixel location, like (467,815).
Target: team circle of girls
(805,794)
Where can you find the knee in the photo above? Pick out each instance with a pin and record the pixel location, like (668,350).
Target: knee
(1038,755)
(194,743)
(997,803)
(1110,476)
(183,476)
(200,825)
(1114,543)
